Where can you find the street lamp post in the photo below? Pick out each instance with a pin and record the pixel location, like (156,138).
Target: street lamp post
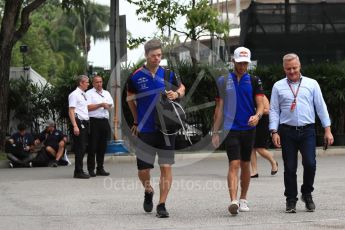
(24,49)
(116,146)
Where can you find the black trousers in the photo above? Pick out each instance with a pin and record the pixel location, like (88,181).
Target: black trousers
(99,135)
(20,160)
(79,144)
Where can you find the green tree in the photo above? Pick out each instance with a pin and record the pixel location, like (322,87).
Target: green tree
(90,21)
(29,102)
(201,19)
(15,23)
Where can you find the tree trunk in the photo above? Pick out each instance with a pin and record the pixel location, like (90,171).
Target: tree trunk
(5,57)
(10,33)
(7,34)
(194,42)
(194,53)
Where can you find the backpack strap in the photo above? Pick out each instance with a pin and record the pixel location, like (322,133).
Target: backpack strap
(166,79)
(256,83)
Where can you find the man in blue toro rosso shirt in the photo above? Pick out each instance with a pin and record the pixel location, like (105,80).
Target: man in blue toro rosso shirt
(144,88)
(239,93)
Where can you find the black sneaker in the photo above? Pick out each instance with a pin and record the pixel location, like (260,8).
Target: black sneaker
(290,206)
(92,173)
(161,211)
(309,203)
(148,204)
(53,164)
(81,175)
(102,172)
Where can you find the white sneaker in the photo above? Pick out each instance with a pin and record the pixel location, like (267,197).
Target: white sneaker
(243,206)
(233,208)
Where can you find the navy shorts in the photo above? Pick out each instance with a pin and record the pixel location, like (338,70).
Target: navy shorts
(239,144)
(150,144)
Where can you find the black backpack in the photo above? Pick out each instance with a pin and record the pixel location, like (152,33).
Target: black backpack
(170,116)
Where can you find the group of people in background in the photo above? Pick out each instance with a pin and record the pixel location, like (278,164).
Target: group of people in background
(89,116)
(243,120)
(21,147)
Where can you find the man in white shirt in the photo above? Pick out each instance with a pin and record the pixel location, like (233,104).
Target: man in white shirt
(79,116)
(100,104)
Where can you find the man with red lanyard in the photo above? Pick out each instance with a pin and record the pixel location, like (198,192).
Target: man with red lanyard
(294,101)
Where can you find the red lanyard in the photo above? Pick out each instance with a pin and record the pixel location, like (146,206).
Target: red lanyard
(294,102)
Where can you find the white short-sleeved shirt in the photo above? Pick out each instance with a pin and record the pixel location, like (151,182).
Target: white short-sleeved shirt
(95,97)
(78,100)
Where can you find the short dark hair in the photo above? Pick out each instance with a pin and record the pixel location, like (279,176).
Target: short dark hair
(93,77)
(152,44)
(21,126)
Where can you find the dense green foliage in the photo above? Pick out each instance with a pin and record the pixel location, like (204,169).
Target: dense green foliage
(56,39)
(58,52)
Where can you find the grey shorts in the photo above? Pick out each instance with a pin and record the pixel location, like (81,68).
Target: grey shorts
(150,144)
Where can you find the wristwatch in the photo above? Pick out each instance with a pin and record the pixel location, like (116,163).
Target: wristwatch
(273,132)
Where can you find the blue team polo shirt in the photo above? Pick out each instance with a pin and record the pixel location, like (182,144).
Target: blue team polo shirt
(148,89)
(239,103)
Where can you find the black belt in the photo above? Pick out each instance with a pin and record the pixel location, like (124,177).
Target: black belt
(96,118)
(298,127)
(84,122)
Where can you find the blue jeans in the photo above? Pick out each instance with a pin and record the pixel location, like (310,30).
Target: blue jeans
(292,141)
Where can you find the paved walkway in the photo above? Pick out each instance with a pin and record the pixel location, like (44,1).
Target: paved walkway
(49,198)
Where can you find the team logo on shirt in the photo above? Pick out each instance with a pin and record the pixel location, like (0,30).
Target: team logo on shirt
(161,80)
(142,82)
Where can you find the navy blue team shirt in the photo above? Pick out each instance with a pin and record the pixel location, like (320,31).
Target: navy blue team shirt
(51,139)
(22,141)
(148,89)
(239,104)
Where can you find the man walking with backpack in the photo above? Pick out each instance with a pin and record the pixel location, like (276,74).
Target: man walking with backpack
(144,88)
(239,108)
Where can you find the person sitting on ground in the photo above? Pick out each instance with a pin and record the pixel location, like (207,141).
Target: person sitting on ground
(20,148)
(54,143)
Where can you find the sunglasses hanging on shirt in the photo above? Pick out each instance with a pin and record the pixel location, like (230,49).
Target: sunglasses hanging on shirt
(100,94)
(84,96)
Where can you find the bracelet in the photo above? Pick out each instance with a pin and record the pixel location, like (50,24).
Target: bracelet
(216,132)
(259,115)
(178,95)
(135,124)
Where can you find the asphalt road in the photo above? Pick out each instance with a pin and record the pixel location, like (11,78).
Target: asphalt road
(49,198)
